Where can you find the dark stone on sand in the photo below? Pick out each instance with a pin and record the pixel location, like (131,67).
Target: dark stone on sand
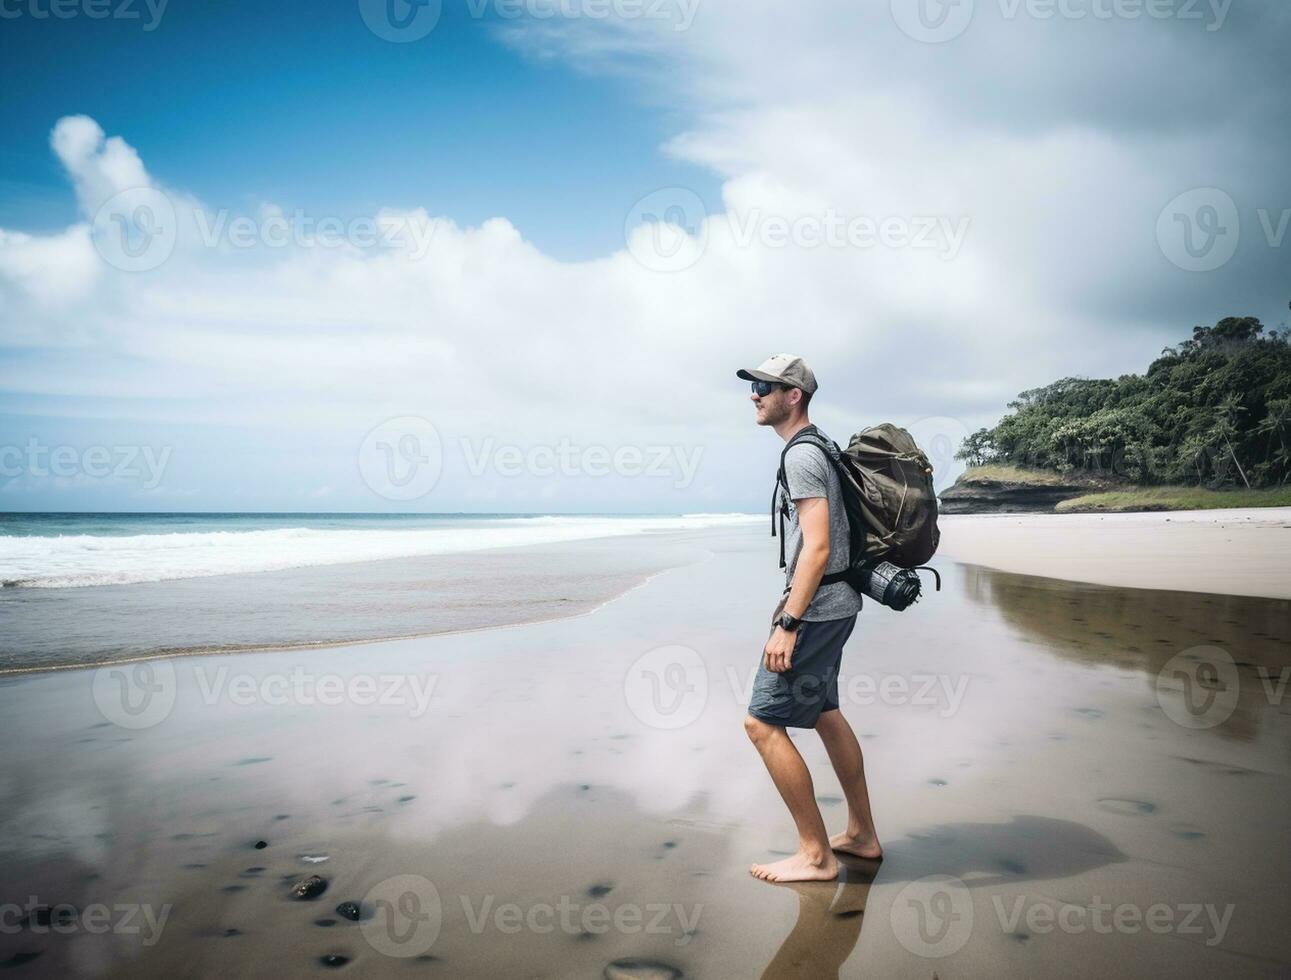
(349,910)
(598,891)
(633,969)
(333,960)
(231,932)
(325,923)
(261,845)
(309,888)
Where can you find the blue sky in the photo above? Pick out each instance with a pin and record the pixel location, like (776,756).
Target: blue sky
(296,100)
(526,301)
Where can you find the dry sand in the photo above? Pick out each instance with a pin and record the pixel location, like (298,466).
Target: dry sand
(1234,552)
(582,798)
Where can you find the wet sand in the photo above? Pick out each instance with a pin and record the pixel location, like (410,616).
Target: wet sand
(1234,552)
(581,799)
(326,605)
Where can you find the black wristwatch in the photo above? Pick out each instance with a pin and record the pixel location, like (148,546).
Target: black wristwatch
(788,623)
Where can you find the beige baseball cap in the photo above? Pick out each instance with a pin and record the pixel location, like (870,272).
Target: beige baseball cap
(787,369)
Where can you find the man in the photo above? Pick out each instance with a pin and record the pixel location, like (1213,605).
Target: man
(797,681)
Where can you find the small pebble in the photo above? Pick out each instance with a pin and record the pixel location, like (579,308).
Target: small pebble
(308,888)
(348,910)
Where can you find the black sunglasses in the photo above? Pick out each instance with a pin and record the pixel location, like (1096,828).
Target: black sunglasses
(764,388)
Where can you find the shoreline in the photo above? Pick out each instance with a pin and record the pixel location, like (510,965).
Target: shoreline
(1234,553)
(187,652)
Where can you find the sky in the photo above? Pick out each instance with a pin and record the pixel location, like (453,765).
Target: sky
(506,255)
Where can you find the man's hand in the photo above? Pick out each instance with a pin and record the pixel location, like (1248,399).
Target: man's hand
(779,650)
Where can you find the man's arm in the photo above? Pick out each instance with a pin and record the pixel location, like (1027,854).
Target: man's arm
(813,520)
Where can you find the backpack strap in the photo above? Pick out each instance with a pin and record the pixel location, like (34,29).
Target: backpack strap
(809,434)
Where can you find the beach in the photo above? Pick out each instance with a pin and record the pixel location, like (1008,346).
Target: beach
(576,797)
(1235,552)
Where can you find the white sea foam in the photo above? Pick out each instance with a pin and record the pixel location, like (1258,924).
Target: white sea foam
(70,561)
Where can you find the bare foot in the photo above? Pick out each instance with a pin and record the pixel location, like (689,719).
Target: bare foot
(861,847)
(800,867)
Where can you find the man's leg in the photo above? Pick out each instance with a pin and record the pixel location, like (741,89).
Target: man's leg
(844,751)
(814,860)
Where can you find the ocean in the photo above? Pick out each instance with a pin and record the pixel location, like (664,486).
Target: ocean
(87,588)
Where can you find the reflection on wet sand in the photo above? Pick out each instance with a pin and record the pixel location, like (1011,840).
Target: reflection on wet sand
(830,917)
(1144,629)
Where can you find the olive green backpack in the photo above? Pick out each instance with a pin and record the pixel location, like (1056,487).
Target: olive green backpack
(891,508)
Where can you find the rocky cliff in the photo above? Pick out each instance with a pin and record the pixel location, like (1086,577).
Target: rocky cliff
(998,489)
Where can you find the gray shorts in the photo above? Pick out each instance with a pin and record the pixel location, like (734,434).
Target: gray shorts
(796,698)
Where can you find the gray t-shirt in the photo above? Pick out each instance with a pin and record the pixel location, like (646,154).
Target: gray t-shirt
(810,474)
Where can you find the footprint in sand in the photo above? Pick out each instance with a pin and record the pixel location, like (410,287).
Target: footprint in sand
(641,970)
(1127,808)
